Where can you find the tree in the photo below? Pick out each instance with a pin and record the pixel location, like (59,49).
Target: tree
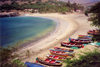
(15,5)
(6,7)
(95,17)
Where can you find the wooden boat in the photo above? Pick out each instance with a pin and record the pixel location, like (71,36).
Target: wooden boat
(30,64)
(63,49)
(84,37)
(94,32)
(55,57)
(80,41)
(65,44)
(61,53)
(49,62)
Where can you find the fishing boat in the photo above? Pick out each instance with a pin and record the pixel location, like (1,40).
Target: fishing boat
(61,53)
(80,41)
(55,57)
(48,61)
(30,64)
(63,49)
(84,37)
(94,32)
(65,44)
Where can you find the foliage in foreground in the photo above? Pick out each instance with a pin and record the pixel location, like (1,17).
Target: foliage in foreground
(7,59)
(90,59)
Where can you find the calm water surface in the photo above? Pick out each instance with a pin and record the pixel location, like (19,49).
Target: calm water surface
(17,29)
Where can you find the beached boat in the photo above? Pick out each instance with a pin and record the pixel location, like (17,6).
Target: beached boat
(84,37)
(63,49)
(65,44)
(61,53)
(30,64)
(55,57)
(80,41)
(94,32)
(48,61)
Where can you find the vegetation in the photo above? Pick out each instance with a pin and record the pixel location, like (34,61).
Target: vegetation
(89,59)
(50,6)
(7,59)
(95,18)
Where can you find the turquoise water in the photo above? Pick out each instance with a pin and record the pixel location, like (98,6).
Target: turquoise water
(14,30)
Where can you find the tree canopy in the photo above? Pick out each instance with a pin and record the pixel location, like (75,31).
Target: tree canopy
(95,17)
(50,6)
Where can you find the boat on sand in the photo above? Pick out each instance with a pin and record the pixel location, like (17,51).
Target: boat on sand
(61,53)
(63,49)
(48,61)
(80,41)
(65,44)
(55,57)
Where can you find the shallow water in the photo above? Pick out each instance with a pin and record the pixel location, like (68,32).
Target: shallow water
(17,29)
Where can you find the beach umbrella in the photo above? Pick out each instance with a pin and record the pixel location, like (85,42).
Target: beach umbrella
(29,64)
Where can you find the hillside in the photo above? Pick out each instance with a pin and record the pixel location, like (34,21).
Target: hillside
(81,1)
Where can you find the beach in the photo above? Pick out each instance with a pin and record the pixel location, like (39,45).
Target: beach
(68,25)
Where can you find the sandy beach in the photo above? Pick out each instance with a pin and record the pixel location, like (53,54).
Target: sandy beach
(69,25)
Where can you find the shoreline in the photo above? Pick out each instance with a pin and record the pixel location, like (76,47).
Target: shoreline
(56,24)
(54,31)
(25,42)
(58,36)
(64,31)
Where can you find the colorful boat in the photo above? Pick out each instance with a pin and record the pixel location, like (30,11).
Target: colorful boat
(80,41)
(55,57)
(63,49)
(61,53)
(94,32)
(84,37)
(29,64)
(48,61)
(65,44)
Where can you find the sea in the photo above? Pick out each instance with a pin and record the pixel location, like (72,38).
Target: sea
(15,31)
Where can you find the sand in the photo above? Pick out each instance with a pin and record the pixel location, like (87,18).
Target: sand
(69,25)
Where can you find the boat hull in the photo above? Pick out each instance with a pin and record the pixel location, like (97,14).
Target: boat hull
(63,49)
(66,45)
(64,54)
(60,58)
(49,64)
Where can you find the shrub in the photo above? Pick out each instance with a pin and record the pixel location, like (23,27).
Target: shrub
(90,59)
